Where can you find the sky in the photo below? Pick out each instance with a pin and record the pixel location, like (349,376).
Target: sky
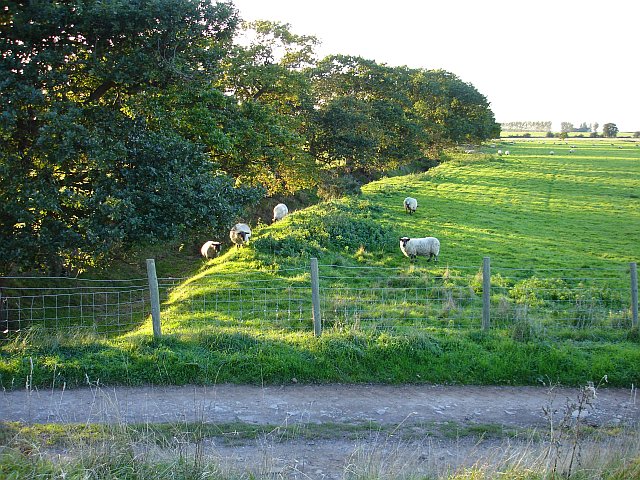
(544,60)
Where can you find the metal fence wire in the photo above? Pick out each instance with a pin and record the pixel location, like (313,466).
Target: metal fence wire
(280,301)
(57,304)
(398,299)
(407,299)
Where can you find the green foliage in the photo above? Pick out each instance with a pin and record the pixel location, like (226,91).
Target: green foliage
(342,225)
(374,119)
(610,130)
(86,167)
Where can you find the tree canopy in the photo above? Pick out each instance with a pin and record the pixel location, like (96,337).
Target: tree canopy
(141,120)
(610,130)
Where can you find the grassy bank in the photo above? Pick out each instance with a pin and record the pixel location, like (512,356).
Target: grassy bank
(530,210)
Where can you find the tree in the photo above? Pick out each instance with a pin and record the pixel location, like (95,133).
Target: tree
(566,127)
(609,130)
(267,125)
(371,118)
(87,164)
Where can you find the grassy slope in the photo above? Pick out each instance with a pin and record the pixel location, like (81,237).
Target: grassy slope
(527,209)
(530,208)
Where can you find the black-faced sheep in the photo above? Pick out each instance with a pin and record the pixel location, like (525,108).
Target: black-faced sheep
(240,234)
(210,249)
(410,205)
(427,246)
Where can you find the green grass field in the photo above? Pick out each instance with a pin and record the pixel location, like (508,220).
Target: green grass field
(539,217)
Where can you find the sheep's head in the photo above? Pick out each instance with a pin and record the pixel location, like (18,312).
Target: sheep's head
(404,240)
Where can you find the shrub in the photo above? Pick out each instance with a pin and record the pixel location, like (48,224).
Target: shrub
(345,224)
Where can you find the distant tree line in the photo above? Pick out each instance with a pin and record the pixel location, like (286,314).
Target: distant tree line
(127,122)
(528,126)
(566,127)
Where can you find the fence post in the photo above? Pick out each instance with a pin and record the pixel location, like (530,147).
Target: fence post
(154,296)
(486,293)
(315,297)
(634,294)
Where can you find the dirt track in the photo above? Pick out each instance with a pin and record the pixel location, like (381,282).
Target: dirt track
(510,406)
(410,408)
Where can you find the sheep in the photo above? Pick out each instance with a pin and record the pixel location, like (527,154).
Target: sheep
(428,246)
(279,212)
(552,152)
(210,249)
(506,152)
(410,205)
(240,234)
(499,152)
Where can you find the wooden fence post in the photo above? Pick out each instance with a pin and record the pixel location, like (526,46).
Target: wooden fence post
(634,294)
(486,293)
(315,297)
(154,296)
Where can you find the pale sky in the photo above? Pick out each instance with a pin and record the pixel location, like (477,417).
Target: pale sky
(543,60)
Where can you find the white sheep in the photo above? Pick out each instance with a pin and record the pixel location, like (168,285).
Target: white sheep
(279,212)
(506,152)
(210,249)
(552,152)
(499,152)
(240,234)
(427,246)
(410,205)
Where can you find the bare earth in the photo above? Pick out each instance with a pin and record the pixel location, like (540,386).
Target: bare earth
(403,420)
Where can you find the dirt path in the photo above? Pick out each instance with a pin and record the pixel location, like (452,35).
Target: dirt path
(509,406)
(401,420)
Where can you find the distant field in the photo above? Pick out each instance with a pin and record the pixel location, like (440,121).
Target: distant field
(560,230)
(570,134)
(528,209)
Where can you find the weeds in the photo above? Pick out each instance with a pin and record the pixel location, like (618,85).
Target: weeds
(567,434)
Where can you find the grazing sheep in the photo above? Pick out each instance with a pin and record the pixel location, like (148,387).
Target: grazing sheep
(499,152)
(410,205)
(279,212)
(240,234)
(552,152)
(572,150)
(210,249)
(506,152)
(428,246)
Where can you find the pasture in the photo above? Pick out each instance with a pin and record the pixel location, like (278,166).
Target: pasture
(560,230)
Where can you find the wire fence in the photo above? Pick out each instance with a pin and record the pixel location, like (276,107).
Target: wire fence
(55,304)
(523,301)
(410,299)
(280,301)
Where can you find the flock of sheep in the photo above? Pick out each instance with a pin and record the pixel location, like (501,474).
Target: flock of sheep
(410,247)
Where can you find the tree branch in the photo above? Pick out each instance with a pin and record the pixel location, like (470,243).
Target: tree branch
(98,93)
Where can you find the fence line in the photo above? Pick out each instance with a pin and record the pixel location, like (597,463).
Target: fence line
(335,297)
